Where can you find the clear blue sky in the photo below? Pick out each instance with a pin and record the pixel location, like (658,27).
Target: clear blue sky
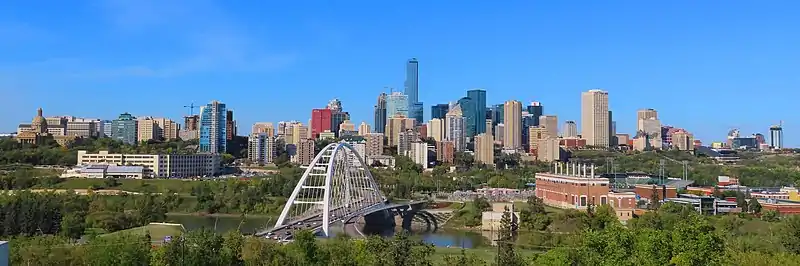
(704,65)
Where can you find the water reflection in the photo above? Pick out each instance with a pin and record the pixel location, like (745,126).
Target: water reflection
(249,225)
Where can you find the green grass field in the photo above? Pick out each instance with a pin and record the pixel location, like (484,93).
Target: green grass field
(144,185)
(157,231)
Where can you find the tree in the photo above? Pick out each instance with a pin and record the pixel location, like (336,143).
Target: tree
(534,216)
(506,256)
(741,202)
(790,233)
(770,216)
(655,199)
(481,204)
(463,259)
(754,206)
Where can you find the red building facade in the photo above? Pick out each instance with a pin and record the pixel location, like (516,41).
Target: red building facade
(320,121)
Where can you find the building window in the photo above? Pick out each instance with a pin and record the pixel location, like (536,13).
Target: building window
(603,200)
(583,201)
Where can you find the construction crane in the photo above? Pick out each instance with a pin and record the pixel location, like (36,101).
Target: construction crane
(191,108)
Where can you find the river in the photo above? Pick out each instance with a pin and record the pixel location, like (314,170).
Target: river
(249,225)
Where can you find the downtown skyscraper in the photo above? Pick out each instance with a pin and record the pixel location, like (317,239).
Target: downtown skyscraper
(213,132)
(380,114)
(595,124)
(412,90)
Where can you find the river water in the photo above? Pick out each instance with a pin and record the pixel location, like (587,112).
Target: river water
(249,225)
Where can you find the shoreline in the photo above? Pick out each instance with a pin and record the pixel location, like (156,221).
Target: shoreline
(226,215)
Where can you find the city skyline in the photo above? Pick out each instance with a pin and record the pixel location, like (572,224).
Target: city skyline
(638,71)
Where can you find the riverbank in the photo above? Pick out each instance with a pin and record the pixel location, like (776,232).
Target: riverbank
(226,215)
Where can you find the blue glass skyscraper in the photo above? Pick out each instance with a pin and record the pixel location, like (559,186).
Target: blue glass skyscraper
(415,108)
(497,115)
(213,138)
(397,104)
(468,112)
(478,114)
(124,129)
(439,110)
(536,110)
(380,114)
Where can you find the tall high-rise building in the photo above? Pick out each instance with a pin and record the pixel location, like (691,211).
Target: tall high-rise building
(484,149)
(380,114)
(167,129)
(363,129)
(683,140)
(346,128)
(594,118)
(570,129)
(107,128)
(436,129)
(650,130)
(478,115)
(396,104)
(261,148)
(374,144)
(467,111)
(512,121)
(536,110)
(146,129)
(395,126)
(320,121)
(613,141)
(404,141)
(124,129)
(498,115)
(776,136)
(455,128)
(337,118)
(499,136)
(335,105)
(648,113)
(549,123)
(230,125)
(439,110)
(264,127)
(213,128)
(305,152)
(415,108)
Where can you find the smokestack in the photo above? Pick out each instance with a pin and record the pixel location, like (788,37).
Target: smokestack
(568,169)
(584,170)
(558,167)
(592,171)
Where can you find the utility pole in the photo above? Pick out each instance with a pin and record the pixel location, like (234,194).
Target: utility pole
(685,170)
(661,171)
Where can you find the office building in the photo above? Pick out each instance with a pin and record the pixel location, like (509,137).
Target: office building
(346,125)
(498,114)
(683,140)
(374,144)
(107,128)
(363,129)
(263,127)
(320,121)
(337,118)
(776,136)
(570,129)
(500,131)
(305,152)
(397,105)
(395,126)
(455,128)
(261,148)
(298,132)
(418,152)
(594,118)
(213,128)
(335,105)
(512,137)
(167,129)
(158,165)
(549,123)
(38,131)
(536,134)
(644,114)
(380,114)
(146,129)
(476,113)
(436,129)
(445,151)
(484,149)
(124,129)
(415,107)
(230,125)
(83,129)
(650,131)
(549,150)
(536,110)
(439,110)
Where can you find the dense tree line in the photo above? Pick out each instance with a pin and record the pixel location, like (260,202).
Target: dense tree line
(69,215)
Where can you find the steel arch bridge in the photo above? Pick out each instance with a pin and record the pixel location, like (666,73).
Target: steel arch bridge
(335,188)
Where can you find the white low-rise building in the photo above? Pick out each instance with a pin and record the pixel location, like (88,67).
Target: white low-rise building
(158,165)
(106,171)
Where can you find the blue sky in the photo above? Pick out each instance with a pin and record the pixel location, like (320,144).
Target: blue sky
(707,66)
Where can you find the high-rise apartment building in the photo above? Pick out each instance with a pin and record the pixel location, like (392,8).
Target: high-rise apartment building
(776,136)
(213,128)
(320,121)
(404,141)
(683,140)
(363,129)
(261,148)
(536,110)
(191,122)
(439,110)
(230,125)
(374,144)
(263,127)
(499,136)
(397,105)
(167,129)
(436,129)
(455,128)
(418,153)
(305,152)
(124,129)
(594,118)
(476,118)
(146,129)
(445,151)
(570,129)
(107,128)
(512,121)
(380,114)
(484,149)
(395,126)
(549,123)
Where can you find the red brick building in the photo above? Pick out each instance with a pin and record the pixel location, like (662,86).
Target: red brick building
(571,191)
(572,143)
(445,151)
(646,191)
(320,121)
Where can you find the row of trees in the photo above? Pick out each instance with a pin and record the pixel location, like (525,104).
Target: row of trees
(50,153)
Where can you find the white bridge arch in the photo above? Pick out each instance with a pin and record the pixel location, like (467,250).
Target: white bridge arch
(336,186)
